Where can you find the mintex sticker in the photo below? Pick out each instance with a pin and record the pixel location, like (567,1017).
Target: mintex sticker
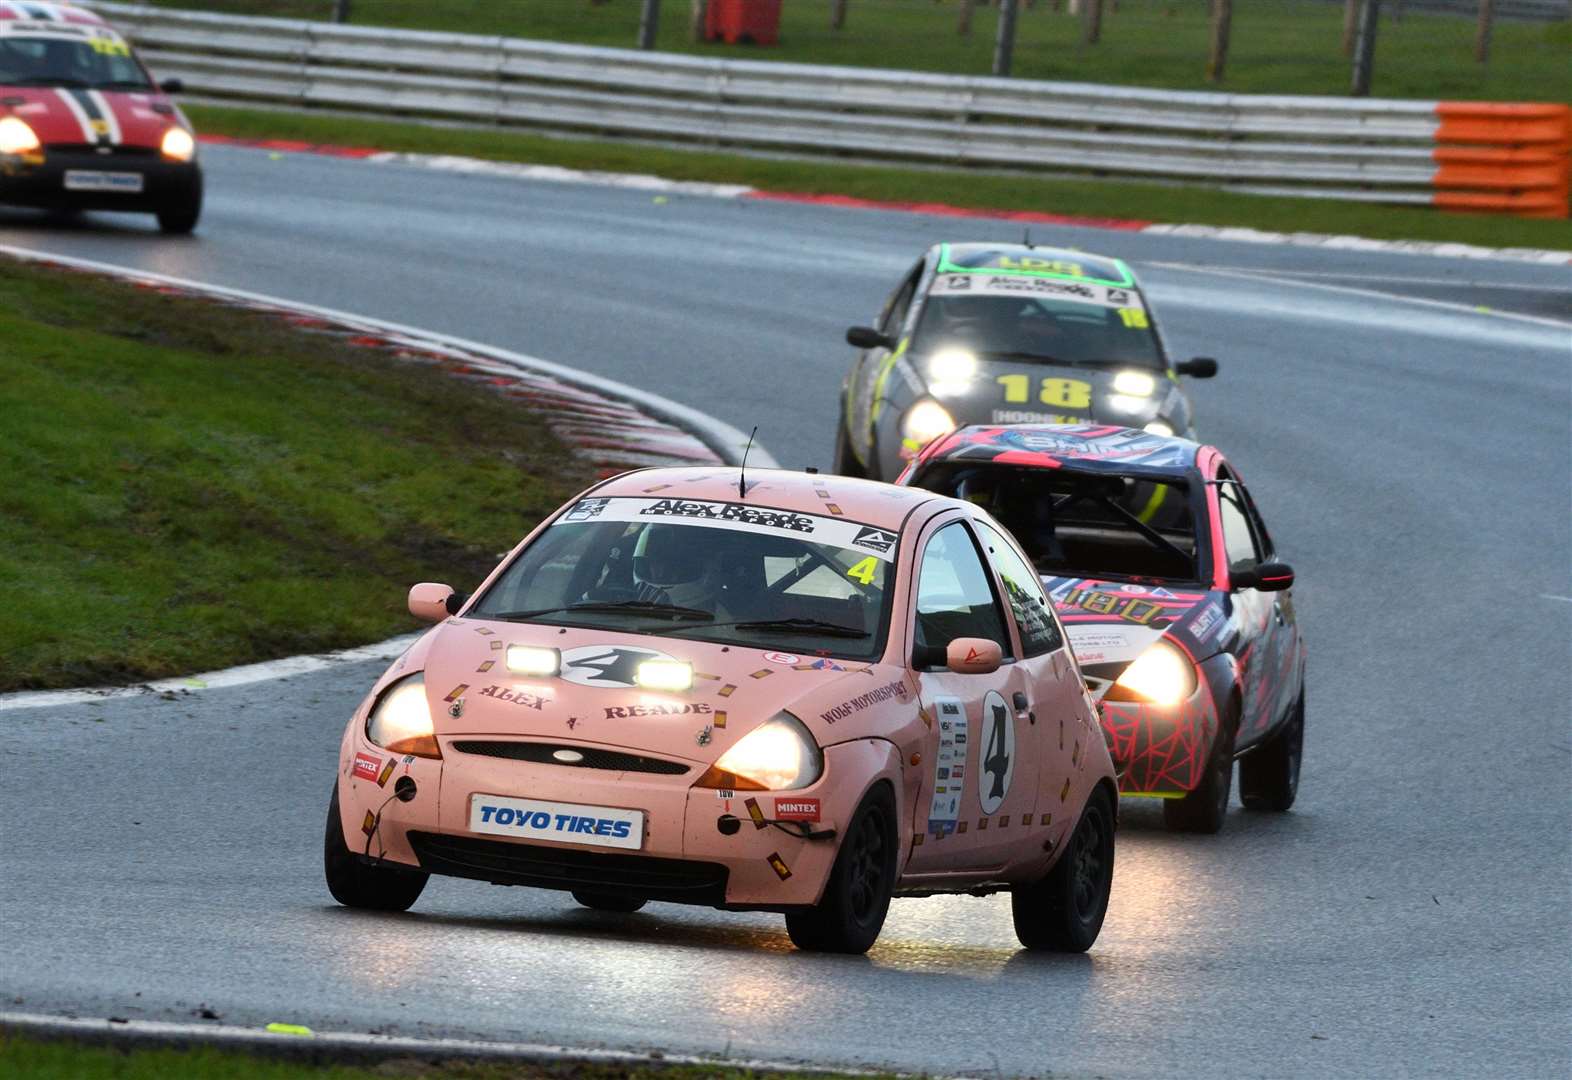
(948,766)
(1084,292)
(367,766)
(568,823)
(800,809)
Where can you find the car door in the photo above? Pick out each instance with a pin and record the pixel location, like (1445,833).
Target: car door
(1282,670)
(980,783)
(1253,609)
(1051,695)
(873,364)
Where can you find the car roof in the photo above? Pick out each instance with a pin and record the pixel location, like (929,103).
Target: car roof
(30,11)
(1093,448)
(866,501)
(1033,261)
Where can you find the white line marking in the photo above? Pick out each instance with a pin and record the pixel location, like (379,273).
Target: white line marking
(558,175)
(353,1043)
(1398,279)
(1350,290)
(1553,596)
(211,680)
(1442,249)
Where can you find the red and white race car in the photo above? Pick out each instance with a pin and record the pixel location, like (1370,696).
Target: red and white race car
(83,126)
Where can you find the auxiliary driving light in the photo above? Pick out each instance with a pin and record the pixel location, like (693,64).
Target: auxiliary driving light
(1157,427)
(926,421)
(534,660)
(664,675)
(1134,383)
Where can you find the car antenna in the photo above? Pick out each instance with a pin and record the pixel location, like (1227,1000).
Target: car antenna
(742,470)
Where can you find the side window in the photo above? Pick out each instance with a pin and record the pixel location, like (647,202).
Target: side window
(1263,539)
(1238,541)
(954,596)
(1024,589)
(896,307)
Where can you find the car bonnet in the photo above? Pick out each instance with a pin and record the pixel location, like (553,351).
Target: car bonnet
(62,116)
(594,698)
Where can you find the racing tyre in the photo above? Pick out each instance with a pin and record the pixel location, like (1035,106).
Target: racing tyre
(1205,808)
(356,884)
(1269,777)
(851,914)
(846,463)
(180,218)
(1064,911)
(609,901)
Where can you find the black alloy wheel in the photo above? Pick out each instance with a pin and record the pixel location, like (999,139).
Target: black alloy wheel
(857,897)
(1269,777)
(358,884)
(1064,911)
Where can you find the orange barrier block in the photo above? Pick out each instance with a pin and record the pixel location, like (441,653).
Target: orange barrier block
(1504,158)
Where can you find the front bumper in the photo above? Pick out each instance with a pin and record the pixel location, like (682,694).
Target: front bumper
(687,856)
(1161,749)
(40,180)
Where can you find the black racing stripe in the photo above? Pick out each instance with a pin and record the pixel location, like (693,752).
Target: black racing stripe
(89,106)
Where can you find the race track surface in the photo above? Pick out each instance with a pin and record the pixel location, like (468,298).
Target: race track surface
(1412,914)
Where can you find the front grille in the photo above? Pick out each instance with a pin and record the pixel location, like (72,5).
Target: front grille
(505,863)
(594,758)
(115,151)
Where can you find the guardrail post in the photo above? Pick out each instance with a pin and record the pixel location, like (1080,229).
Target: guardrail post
(1004,46)
(1482,34)
(1217,56)
(649,23)
(341,11)
(837,14)
(696,20)
(1364,47)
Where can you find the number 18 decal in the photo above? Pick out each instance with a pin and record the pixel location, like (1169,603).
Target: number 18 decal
(998,752)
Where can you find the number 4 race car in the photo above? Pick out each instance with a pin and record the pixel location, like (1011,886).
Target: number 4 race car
(1006,334)
(82,124)
(803,695)
(1169,585)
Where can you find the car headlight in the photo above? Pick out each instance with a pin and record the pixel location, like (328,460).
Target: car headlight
(400,721)
(178,144)
(1162,674)
(779,755)
(1158,427)
(1134,383)
(950,371)
(16,137)
(926,421)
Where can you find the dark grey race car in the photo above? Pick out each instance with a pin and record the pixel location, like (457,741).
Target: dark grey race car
(1006,334)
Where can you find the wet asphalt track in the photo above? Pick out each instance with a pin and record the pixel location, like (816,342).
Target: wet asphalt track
(1413,914)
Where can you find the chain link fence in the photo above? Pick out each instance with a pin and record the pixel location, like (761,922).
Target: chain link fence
(1500,50)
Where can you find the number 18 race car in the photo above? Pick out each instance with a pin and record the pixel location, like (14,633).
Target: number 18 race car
(1168,583)
(803,695)
(83,126)
(1006,334)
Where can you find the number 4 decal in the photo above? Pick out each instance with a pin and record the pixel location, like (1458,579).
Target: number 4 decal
(998,752)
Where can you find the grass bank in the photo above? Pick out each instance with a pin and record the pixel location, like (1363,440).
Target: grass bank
(30,1059)
(1094,198)
(1277,46)
(189,486)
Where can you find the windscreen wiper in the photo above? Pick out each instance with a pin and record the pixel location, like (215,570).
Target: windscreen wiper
(800,626)
(635,607)
(53,80)
(121,84)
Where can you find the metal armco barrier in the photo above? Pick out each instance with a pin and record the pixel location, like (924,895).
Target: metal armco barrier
(1463,156)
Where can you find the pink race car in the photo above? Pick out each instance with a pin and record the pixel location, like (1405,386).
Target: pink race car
(797,693)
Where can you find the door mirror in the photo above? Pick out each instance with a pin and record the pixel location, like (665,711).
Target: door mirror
(172,86)
(1200,367)
(973,656)
(1268,577)
(866,337)
(428,601)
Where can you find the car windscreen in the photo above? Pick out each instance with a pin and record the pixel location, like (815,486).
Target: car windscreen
(91,63)
(1083,524)
(1049,323)
(711,571)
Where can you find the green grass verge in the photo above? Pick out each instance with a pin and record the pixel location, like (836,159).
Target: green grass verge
(190,486)
(31,1059)
(1277,46)
(1096,198)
